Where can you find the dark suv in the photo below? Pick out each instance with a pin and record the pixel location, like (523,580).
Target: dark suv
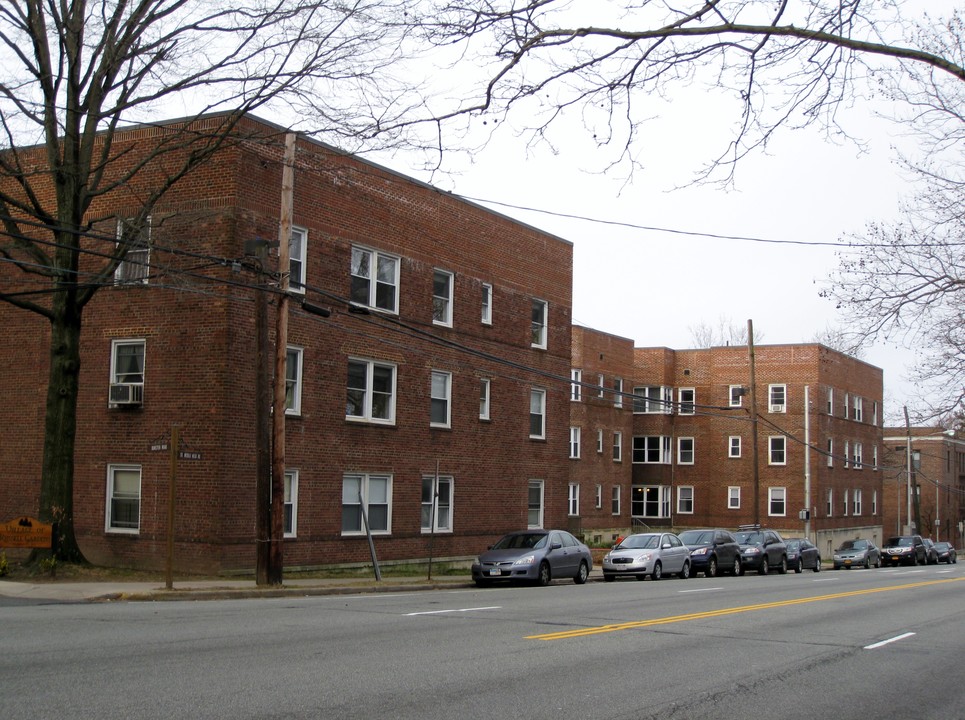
(904,550)
(761,550)
(712,550)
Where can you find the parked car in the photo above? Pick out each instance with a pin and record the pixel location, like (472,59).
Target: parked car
(712,550)
(857,553)
(642,554)
(802,554)
(761,550)
(946,552)
(538,556)
(903,550)
(931,554)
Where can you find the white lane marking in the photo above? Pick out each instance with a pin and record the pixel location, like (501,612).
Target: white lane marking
(888,641)
(700,590)
(440,612)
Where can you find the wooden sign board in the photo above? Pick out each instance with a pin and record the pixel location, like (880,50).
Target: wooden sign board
(26,532)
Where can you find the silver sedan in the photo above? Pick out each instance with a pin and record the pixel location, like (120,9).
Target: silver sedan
(645,554)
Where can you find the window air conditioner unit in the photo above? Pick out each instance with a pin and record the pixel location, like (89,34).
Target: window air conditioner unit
(777,408)
(127,393)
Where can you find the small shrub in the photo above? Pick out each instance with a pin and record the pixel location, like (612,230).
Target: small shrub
(4,566)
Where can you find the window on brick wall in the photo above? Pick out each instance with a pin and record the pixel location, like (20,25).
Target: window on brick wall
(123,513)
(736,395)
(538,324)
(436,504)
(777,398)
(486,314)
(857,408)
(856,500)
(777,450)
(442,298)
(291,503)
(371,493)
(573,502)
(599,441)
(733,497)
(127,373)
(685,499)
(686,401)
(615,500)
(134,240)
(734,446)
(576,385)
(535,504)
(652,449)
(484,390)
(653,399)
(371,391)
(440,402)
(297,259)
(685,451)
(375,279)
(617,446)
(293,381)
(537,413)
(777,502)
(575,437)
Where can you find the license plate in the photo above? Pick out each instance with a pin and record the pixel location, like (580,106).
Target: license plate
(495,571)
(895,558)
(847,562)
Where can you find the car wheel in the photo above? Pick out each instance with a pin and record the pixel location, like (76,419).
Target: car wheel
(878,563)
(817,564)
(657,571)
(799,568)
(738,567)
(582,574)
(782,568)
(608,578)
(711,570)
(762,570)
(544,576)
(914,559)
(684,574)
(867,563)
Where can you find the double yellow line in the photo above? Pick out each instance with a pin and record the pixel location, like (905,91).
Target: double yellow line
(584,632)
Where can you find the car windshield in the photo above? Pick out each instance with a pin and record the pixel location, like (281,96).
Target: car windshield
(697,537)
(854,545)
(942,546)
(899,542)
(793,545)
(750,537)
(640,542)
(522,541)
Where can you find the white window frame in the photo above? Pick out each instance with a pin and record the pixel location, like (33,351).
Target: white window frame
(685,498)
(486,313)
(772,450)
(652,400)
(291,504)
(659,444)
(436,514)
(368,390)
(830,401)
(537,409)
(777,495)
(615,500)
(298,260)
(681,442)
(857,408)
(599,441)
(856,502)
(128,375)
(135,268)
(576,435)
(874,457)
(539,324)
(293,380)
(686,407)
(573,500)
(735,395)
(442,303)
(534,510)
(618,392)
(734,446)
(485,389)
(440,395)
(874,413)
(601,382)
(874,502)
(845,504)
(734,497)
(829,501)
(576,385)
(617,446)
(830,452)
(111,525)
(858,456)
(662,500)
(847,454)
(366,480)
(775,392)
(599,496)
(375,259)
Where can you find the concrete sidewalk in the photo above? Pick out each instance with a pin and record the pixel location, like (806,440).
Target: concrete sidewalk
(188,589)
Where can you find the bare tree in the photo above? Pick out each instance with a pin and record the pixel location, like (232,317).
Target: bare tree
(726,332)
(73,73)
(784,64)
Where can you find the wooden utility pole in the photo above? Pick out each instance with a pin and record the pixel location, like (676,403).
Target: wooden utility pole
(276,554)
(756,460)
(263,427)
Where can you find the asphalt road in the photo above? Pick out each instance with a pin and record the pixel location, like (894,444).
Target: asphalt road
(884,644)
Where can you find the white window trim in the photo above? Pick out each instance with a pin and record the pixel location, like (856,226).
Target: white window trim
(297,284)
(730,446)
(365,480)
(446,301)
(576,437)
(599,441)
(693,450)
(541,486)
(775,407)
(730,396)
(141,277)
(732,496)
(680,499)
(618,392)
(446,377)
(617,446)
(292,477)
(576,385)
(688,407)
(601,382)
(373,280)
(366,416)
(539,333)
(856,502)
(486,313)
(829,499)
(434,526)
(599,496)
(108,514)
(137,387)
(485,389)
(665,450)
(296,394)
(645,404)
(541,394)
(770,501)
(770,449)
(573,500)
(615,500)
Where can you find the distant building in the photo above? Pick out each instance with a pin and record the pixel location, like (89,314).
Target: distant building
(937,463)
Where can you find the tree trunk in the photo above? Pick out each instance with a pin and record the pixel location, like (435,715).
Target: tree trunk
(60,425)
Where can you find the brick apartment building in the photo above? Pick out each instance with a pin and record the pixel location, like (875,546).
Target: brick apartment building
(937,483)
(442,370)
(691,449)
